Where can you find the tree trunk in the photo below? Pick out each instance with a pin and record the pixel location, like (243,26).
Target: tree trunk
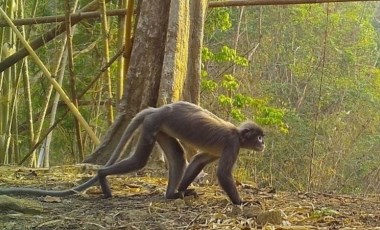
(176,53)
(144,73)
(159,63)
(191,90)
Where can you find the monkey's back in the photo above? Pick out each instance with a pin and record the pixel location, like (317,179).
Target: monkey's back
(197,126)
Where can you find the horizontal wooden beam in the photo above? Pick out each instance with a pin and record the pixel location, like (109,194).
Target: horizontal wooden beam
(61,18)
(273,2)
(119,12)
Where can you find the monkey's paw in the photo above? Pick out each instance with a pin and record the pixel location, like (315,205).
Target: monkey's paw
(182,194)
(188,192)
(106,196)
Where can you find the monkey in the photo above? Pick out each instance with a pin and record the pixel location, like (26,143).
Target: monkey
(167,125)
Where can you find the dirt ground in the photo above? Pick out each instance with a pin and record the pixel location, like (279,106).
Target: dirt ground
(138,203)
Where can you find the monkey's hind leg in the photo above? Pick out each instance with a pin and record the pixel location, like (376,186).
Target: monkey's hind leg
(135,162)
(175,156)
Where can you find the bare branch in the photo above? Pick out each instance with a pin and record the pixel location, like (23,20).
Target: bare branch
(272,2)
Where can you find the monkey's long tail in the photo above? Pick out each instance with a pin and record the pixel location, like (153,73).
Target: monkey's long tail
(40,192)
(133,125)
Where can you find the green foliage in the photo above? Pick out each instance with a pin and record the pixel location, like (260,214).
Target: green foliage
(207,84)
(323,212)
(230,83)
(268,115)
(237,114)
(218,19)
(227,54)
(225,101)
(207,54)
(235,102)
(293,52)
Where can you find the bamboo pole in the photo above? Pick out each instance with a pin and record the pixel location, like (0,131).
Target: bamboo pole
(89,86)
(13,126)
(7,88)
(114,58)
(120,63)
(106,51)
(26,82)
(43,115)
(47,137)
(70,58)
(55,84)
(61,18)
(128,35)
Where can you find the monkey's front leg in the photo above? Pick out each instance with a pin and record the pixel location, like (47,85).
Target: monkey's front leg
(193,169)
(224,174)
(182,194)
(188,192)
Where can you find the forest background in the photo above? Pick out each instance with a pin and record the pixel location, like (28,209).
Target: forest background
(307,73)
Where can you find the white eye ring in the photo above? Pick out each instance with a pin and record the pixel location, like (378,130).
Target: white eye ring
(260,138)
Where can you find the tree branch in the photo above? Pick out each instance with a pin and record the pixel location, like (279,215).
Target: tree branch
(272,2)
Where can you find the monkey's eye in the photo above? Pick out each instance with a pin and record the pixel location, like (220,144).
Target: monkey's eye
(260,138)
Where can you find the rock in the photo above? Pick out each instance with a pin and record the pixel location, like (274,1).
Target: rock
(252,211)
(20,205)
(272,217)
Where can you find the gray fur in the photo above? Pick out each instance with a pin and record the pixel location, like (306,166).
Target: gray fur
(182,121)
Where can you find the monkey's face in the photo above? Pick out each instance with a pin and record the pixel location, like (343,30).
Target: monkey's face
(258,143)
(252,139)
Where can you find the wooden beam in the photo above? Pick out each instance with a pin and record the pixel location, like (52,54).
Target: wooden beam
(61,18)
(273,2)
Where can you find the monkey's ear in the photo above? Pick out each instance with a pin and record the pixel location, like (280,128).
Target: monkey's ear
(245,135)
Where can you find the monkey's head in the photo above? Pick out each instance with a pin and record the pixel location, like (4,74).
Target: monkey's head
(251,136)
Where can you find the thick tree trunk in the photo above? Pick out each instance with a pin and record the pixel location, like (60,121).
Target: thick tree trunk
(159,63)
(144,73)
(191,90)
(176,53)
